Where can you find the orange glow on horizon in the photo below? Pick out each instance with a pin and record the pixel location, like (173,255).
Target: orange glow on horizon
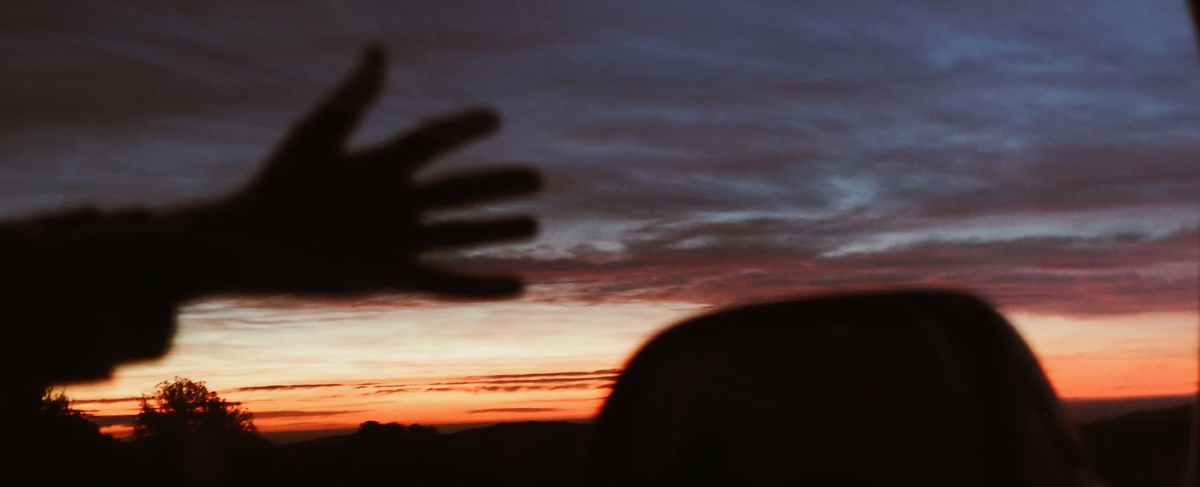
(446,410)
(447,369)
(1150,354)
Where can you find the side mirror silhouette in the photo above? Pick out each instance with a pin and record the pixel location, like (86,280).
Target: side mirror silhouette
(901,388)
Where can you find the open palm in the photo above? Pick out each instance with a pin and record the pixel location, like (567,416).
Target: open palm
(334,221)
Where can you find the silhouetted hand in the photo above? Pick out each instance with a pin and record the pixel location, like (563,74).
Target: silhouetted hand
(83,291)
(319,219)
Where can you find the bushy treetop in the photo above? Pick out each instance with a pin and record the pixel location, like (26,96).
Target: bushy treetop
(181,407)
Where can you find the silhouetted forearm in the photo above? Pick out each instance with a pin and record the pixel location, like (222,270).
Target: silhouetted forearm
(81,292)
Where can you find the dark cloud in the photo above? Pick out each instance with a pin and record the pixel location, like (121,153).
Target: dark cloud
(573,399)
(512,410)
(1118,273)
(282,387)
(1038,154)
(128,419)
(551,374)
(114,420)
(390,391)
(300,414)
(532,381)
(533,387)
(367,385)
(105,400)
(548,381)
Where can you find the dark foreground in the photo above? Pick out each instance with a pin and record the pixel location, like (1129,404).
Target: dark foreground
(1147,448)
(1140,449)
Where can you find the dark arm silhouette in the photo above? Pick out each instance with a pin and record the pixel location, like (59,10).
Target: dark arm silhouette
(81,292)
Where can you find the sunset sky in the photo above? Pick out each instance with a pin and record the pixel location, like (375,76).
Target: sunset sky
(696,155)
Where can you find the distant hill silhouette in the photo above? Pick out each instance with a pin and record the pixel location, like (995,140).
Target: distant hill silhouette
(517,454)
(532,452)
(1142,449)
(1092,410)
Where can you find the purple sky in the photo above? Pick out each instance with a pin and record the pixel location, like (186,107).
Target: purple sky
(700,152)
(1045,156)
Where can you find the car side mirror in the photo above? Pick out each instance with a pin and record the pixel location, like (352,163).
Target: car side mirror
(903,388)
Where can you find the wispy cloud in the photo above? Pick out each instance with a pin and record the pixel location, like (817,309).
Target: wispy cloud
(282,387)
(512,410)
(941,117)
(106,400)
(128,419)
(390,391)
(1040,154)
(550,374)
(548,381)
(112,420)
(299,414)
(1093,271)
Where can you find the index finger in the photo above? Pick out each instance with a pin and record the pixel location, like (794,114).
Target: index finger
(415,148)
(336,117)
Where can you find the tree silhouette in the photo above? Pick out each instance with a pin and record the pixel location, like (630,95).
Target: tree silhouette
(57,404)
(191,436)
(59,446)
(59,419)
(181,408)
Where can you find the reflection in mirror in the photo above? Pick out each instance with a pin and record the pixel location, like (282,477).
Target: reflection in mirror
(887,389)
